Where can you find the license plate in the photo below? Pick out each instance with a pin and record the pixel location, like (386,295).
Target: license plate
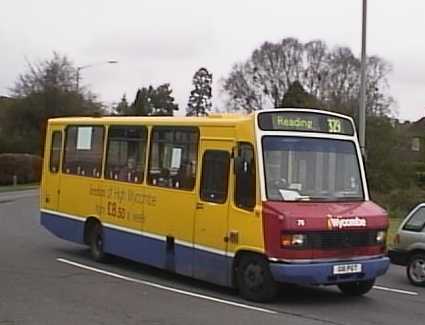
(347,268)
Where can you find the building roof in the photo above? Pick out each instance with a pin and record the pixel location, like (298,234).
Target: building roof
(417,128)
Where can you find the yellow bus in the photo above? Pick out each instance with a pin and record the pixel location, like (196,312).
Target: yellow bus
(245,201)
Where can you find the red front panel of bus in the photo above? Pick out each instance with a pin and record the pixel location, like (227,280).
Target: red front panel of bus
(334,230)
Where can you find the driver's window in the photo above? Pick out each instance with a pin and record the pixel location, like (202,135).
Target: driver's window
(245,185)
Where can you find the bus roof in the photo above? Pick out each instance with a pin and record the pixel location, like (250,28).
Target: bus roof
(212,119)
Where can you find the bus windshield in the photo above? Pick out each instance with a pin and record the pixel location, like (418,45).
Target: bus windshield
(311,169)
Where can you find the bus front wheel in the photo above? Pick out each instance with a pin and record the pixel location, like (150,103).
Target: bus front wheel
(96,243)
(254,279)
(356,288)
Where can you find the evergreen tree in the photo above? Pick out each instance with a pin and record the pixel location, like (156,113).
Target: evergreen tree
(122,108)
(297,97)
(142,103)
(162,101)
(200,97)
(153,101)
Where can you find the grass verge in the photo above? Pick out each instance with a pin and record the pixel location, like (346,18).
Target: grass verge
(19,187)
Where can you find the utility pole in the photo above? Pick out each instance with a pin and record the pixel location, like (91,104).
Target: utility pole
(362,108)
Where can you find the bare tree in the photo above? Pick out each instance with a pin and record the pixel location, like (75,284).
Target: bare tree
(377,102)
(241,88)
(315,67)
(342,82)
(45,90)
(56,73)
(330,76)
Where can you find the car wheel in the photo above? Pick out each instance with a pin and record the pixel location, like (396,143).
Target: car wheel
(96,243)
(356,288)
(416,270)
(254,279)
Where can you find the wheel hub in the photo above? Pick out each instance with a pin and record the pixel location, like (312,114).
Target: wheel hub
(254,276)
(99,241)
(418,270)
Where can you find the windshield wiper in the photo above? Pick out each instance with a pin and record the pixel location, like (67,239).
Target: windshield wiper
(336,198)
(349,198)
(322,198)
(303,198)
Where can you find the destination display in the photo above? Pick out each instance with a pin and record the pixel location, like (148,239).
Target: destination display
(304,121)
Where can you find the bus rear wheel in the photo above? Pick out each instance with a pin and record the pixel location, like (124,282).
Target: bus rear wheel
(356,288)
(254,279)
(96,241)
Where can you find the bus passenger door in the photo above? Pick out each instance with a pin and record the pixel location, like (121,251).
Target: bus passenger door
(211,217)
(51,177)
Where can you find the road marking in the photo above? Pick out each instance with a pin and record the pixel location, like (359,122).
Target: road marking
(159,286)
(410,293)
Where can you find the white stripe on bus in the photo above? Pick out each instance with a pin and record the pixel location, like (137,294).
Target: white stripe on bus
(146,234)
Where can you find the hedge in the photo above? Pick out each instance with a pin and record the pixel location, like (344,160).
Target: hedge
(26,167)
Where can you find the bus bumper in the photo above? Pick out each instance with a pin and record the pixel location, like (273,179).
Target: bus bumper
(323,273)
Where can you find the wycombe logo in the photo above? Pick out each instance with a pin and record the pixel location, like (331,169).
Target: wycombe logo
(340,222)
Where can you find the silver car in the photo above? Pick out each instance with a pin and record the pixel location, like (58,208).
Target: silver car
(409,245)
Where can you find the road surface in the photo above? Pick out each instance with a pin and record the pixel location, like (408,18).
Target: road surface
(44,280)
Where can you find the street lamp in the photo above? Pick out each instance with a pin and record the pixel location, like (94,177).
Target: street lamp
(82,67)
(362,108)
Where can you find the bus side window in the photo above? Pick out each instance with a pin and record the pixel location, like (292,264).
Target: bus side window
(215,176)
(83,151)
(55,151)
(245,170)
(173,157)
(125,160)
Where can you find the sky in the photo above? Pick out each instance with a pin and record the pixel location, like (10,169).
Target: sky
(161,41)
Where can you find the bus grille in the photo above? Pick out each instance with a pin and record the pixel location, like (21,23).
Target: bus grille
(341,239)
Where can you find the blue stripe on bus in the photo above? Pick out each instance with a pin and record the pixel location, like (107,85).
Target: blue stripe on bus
(185,260)
(63,227)
(208,266)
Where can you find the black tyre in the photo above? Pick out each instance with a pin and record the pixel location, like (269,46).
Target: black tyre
(96,241)
(416,270)
(254,279)
(356,288)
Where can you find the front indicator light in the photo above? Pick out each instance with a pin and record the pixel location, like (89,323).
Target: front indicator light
(286,240)
(292,240)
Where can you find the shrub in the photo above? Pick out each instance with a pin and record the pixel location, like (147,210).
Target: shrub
(400,201)
(26,167)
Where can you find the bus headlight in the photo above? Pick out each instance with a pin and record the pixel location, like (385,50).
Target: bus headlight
(293,240)
(381,236)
